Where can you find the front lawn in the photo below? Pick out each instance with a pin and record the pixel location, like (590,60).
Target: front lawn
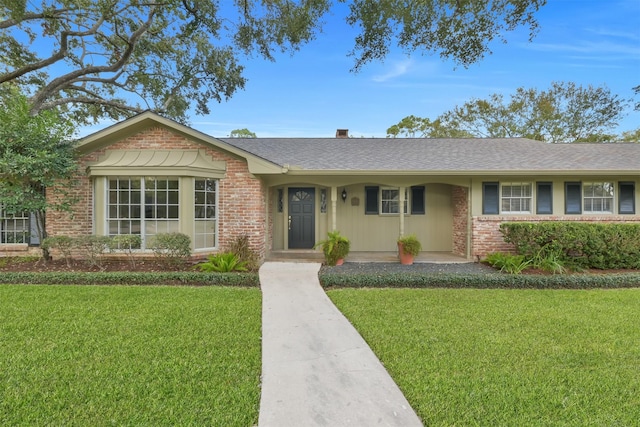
(506,357)
(117,355)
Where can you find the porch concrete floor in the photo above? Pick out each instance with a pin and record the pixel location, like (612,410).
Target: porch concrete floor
(309,255)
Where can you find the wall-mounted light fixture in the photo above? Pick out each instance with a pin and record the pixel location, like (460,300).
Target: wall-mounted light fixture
(344,195)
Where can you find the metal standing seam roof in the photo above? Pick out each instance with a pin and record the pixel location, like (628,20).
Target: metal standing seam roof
(441,155)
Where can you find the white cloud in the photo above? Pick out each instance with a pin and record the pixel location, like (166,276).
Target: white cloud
(399,69)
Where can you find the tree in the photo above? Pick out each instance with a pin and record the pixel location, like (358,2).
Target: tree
(35,153)
(117,57)
(631,136)
(417,127)
(564,113)
(242,133)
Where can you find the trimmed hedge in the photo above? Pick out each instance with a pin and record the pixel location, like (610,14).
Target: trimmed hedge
(482,281)
(127,278)
(584,245)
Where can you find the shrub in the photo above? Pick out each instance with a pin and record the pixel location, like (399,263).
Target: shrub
(225,262)
(240,247)
(172,248)
(577,244)
(64,244)
(94,247)
(128,278)
(481,281)
(127,243)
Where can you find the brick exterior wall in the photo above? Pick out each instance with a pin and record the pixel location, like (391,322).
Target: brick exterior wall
(241,196)
(460,201)
(486,236)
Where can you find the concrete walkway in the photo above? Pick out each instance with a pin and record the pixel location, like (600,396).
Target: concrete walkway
(316,369)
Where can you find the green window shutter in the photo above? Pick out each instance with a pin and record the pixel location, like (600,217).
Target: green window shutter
(572,198)
(490,198)
(627,203)
(371,200)
(417,200)
(544,198)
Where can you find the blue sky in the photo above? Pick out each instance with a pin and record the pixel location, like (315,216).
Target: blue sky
(313,92)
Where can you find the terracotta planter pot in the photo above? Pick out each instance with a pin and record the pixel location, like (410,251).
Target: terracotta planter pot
(405,259)
(340,261)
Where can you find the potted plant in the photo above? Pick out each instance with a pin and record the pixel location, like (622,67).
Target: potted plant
(408,247)
(335,248)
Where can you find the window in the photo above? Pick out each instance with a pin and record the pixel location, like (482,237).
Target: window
(387,200)
(371,200)
(516,198)
(417,200)
(627,202)
(544,198)
(598,197)
(572,198)
(206,213)
(280,200)
(129,198)
(14,228)
(490,199)
(390,201)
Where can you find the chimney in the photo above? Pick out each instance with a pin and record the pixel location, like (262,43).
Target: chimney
(342,133)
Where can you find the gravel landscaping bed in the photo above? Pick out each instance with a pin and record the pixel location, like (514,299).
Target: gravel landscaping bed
(416,268)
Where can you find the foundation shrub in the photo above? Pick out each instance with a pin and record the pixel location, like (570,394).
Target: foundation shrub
(129,278)
(171,248)
(64,244)
(482,281)
(94,247)
(127,243)
(576,244)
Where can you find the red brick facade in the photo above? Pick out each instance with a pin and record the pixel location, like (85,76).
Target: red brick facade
(460,201)
(241,195)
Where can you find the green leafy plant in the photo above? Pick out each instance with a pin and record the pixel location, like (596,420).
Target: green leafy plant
(225,262)
(127,243)
(94,247)
(508,263)
(240,246)
(171,248)
(334,247)
(410,244)
(577,244)
(549,260)
(64,244)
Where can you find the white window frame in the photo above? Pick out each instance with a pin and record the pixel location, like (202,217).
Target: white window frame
(149,226)
(392,200)
(517,199)
(17,225)
(591,197)
(206,206)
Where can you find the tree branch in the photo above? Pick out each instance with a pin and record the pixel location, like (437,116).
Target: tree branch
(90,100)
(38,101)
(60,54)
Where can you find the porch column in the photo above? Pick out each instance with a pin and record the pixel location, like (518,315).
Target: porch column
(401,209)
(334,207)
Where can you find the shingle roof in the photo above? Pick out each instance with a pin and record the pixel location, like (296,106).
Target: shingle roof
(441,155)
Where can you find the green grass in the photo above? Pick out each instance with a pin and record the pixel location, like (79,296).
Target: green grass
(507,357)
(144,356)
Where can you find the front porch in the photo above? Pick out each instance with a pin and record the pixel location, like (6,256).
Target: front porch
(309,255)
